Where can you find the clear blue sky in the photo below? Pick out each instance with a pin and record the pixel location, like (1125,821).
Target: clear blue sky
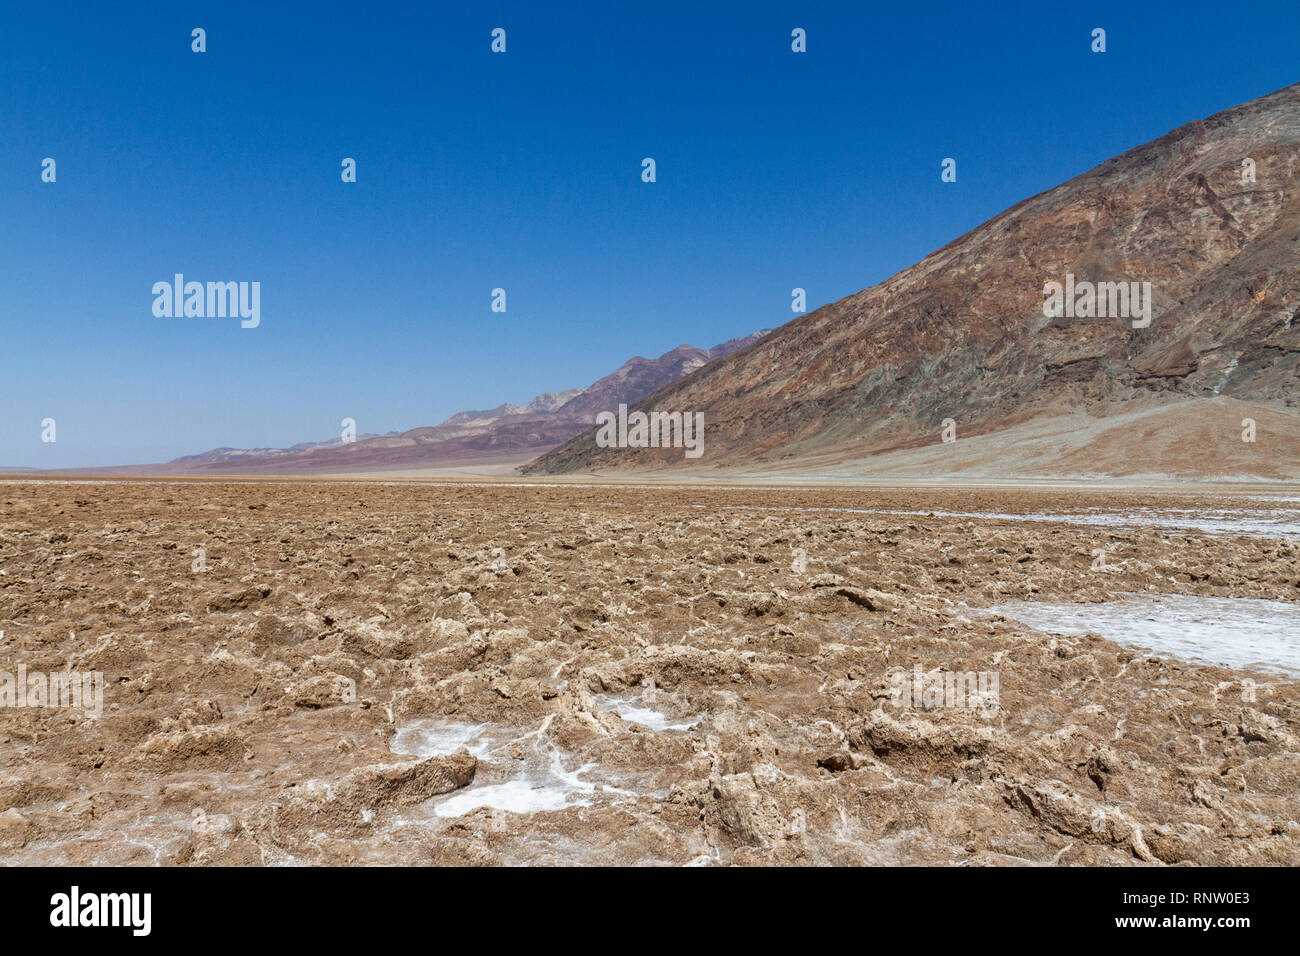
(522,171)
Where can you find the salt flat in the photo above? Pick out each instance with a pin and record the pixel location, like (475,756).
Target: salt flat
(547,672)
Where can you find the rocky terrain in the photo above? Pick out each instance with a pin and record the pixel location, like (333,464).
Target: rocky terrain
(962,335)
(397,672)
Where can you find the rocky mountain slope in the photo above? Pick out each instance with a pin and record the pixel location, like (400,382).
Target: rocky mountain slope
(963,334)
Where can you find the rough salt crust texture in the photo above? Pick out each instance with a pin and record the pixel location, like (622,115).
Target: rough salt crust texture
(229,734)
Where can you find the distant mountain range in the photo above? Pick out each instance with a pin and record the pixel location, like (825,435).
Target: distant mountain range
(504,433)
(1140,319)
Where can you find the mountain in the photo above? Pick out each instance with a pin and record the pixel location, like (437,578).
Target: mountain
(965,335)
(505,433)
(241,454)
(543,404)
(641,377)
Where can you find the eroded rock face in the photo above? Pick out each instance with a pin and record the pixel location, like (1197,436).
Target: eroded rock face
(962,334)
(268,733)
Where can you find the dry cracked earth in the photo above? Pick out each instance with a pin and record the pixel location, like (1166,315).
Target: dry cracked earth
(301,694)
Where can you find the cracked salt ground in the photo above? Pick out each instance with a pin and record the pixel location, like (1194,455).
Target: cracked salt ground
(1282,523)
(637,712)
(149,841)
(1265,523)
(434,738)
(545,784)
(1236,632)
(784,668)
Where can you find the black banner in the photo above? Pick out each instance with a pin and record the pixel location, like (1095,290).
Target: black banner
(335,906)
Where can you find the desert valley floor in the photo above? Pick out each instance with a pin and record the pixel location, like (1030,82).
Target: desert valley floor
(429,673)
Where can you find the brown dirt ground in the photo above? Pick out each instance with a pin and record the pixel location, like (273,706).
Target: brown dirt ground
(229,736)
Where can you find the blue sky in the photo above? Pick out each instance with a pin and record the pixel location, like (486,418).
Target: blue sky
(522,171)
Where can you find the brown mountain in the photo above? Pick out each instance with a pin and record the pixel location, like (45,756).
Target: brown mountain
(963,335)
(505,433)
(640,377)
